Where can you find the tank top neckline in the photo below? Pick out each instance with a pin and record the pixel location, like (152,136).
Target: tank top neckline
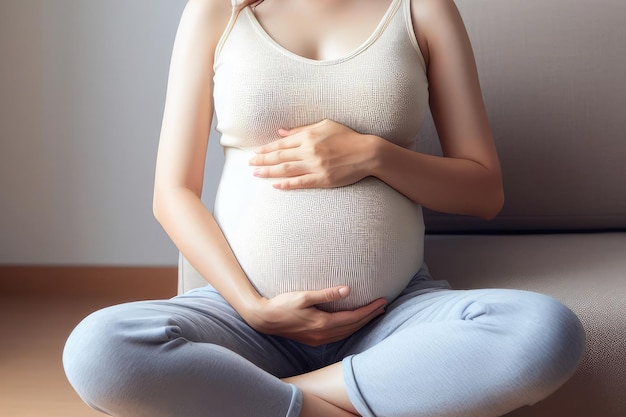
(380,28)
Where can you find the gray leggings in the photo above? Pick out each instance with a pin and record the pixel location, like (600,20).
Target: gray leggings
(435,352)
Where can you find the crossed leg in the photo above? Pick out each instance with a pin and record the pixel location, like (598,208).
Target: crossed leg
(324,393)
(448,353)
(443,353)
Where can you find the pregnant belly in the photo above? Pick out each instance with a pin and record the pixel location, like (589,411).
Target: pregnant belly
(367,236)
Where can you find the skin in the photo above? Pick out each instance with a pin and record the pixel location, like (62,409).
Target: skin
(466,180)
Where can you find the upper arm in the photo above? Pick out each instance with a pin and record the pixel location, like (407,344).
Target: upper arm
(455,96)
(188,104)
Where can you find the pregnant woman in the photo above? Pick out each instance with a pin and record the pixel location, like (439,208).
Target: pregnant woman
(318,302)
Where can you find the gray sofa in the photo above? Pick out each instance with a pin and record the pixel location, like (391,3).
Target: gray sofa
(553,74)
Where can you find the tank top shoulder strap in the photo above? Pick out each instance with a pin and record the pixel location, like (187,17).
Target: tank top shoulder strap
(408,20)
(236,9)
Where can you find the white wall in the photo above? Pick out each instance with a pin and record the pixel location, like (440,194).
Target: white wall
(82,88)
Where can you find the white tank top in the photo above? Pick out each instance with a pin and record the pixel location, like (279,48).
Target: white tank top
(366,235)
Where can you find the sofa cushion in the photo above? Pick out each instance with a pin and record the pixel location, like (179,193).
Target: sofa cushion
(587,272)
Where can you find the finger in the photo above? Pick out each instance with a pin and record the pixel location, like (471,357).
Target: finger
(302,181)
(338,326)
(275,157)
(290,132)
(370,316)
(285,170)
(284,143)
(372,308)
(358,317)
(334,330)
(327,295)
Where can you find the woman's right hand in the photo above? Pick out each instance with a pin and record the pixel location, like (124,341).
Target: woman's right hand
(293,315)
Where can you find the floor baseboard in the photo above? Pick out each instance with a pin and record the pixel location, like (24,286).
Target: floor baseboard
(128,281)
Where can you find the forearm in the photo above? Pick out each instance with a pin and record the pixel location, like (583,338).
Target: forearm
(197,235)
(450,185)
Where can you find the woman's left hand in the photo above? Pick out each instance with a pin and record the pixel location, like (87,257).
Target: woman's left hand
(326,154)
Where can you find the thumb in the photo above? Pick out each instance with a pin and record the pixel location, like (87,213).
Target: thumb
(327,295)
(288,132)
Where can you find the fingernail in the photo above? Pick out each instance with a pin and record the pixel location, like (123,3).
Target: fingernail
(344,291)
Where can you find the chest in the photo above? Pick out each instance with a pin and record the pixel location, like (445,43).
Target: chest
(322,30)
(260,86)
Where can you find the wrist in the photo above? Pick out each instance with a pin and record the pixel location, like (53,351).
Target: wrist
(262,317)
(251,309)
(375,151)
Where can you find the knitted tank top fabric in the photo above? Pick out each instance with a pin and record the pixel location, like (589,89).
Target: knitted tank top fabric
(365,235)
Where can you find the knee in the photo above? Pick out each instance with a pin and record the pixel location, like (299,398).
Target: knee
(101,354)
(551,344)
(87,355)
(560,334)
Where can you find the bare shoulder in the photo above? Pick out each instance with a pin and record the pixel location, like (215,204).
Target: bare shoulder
(434,12)
(211,6)
(435,20)
(208,16)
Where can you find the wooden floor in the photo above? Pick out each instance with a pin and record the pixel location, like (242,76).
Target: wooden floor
(33,327)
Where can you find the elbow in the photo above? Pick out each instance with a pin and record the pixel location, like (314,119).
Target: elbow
(491,212)
(156,210)
(493,197)
(157,205)
(168,200)
(493,205)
